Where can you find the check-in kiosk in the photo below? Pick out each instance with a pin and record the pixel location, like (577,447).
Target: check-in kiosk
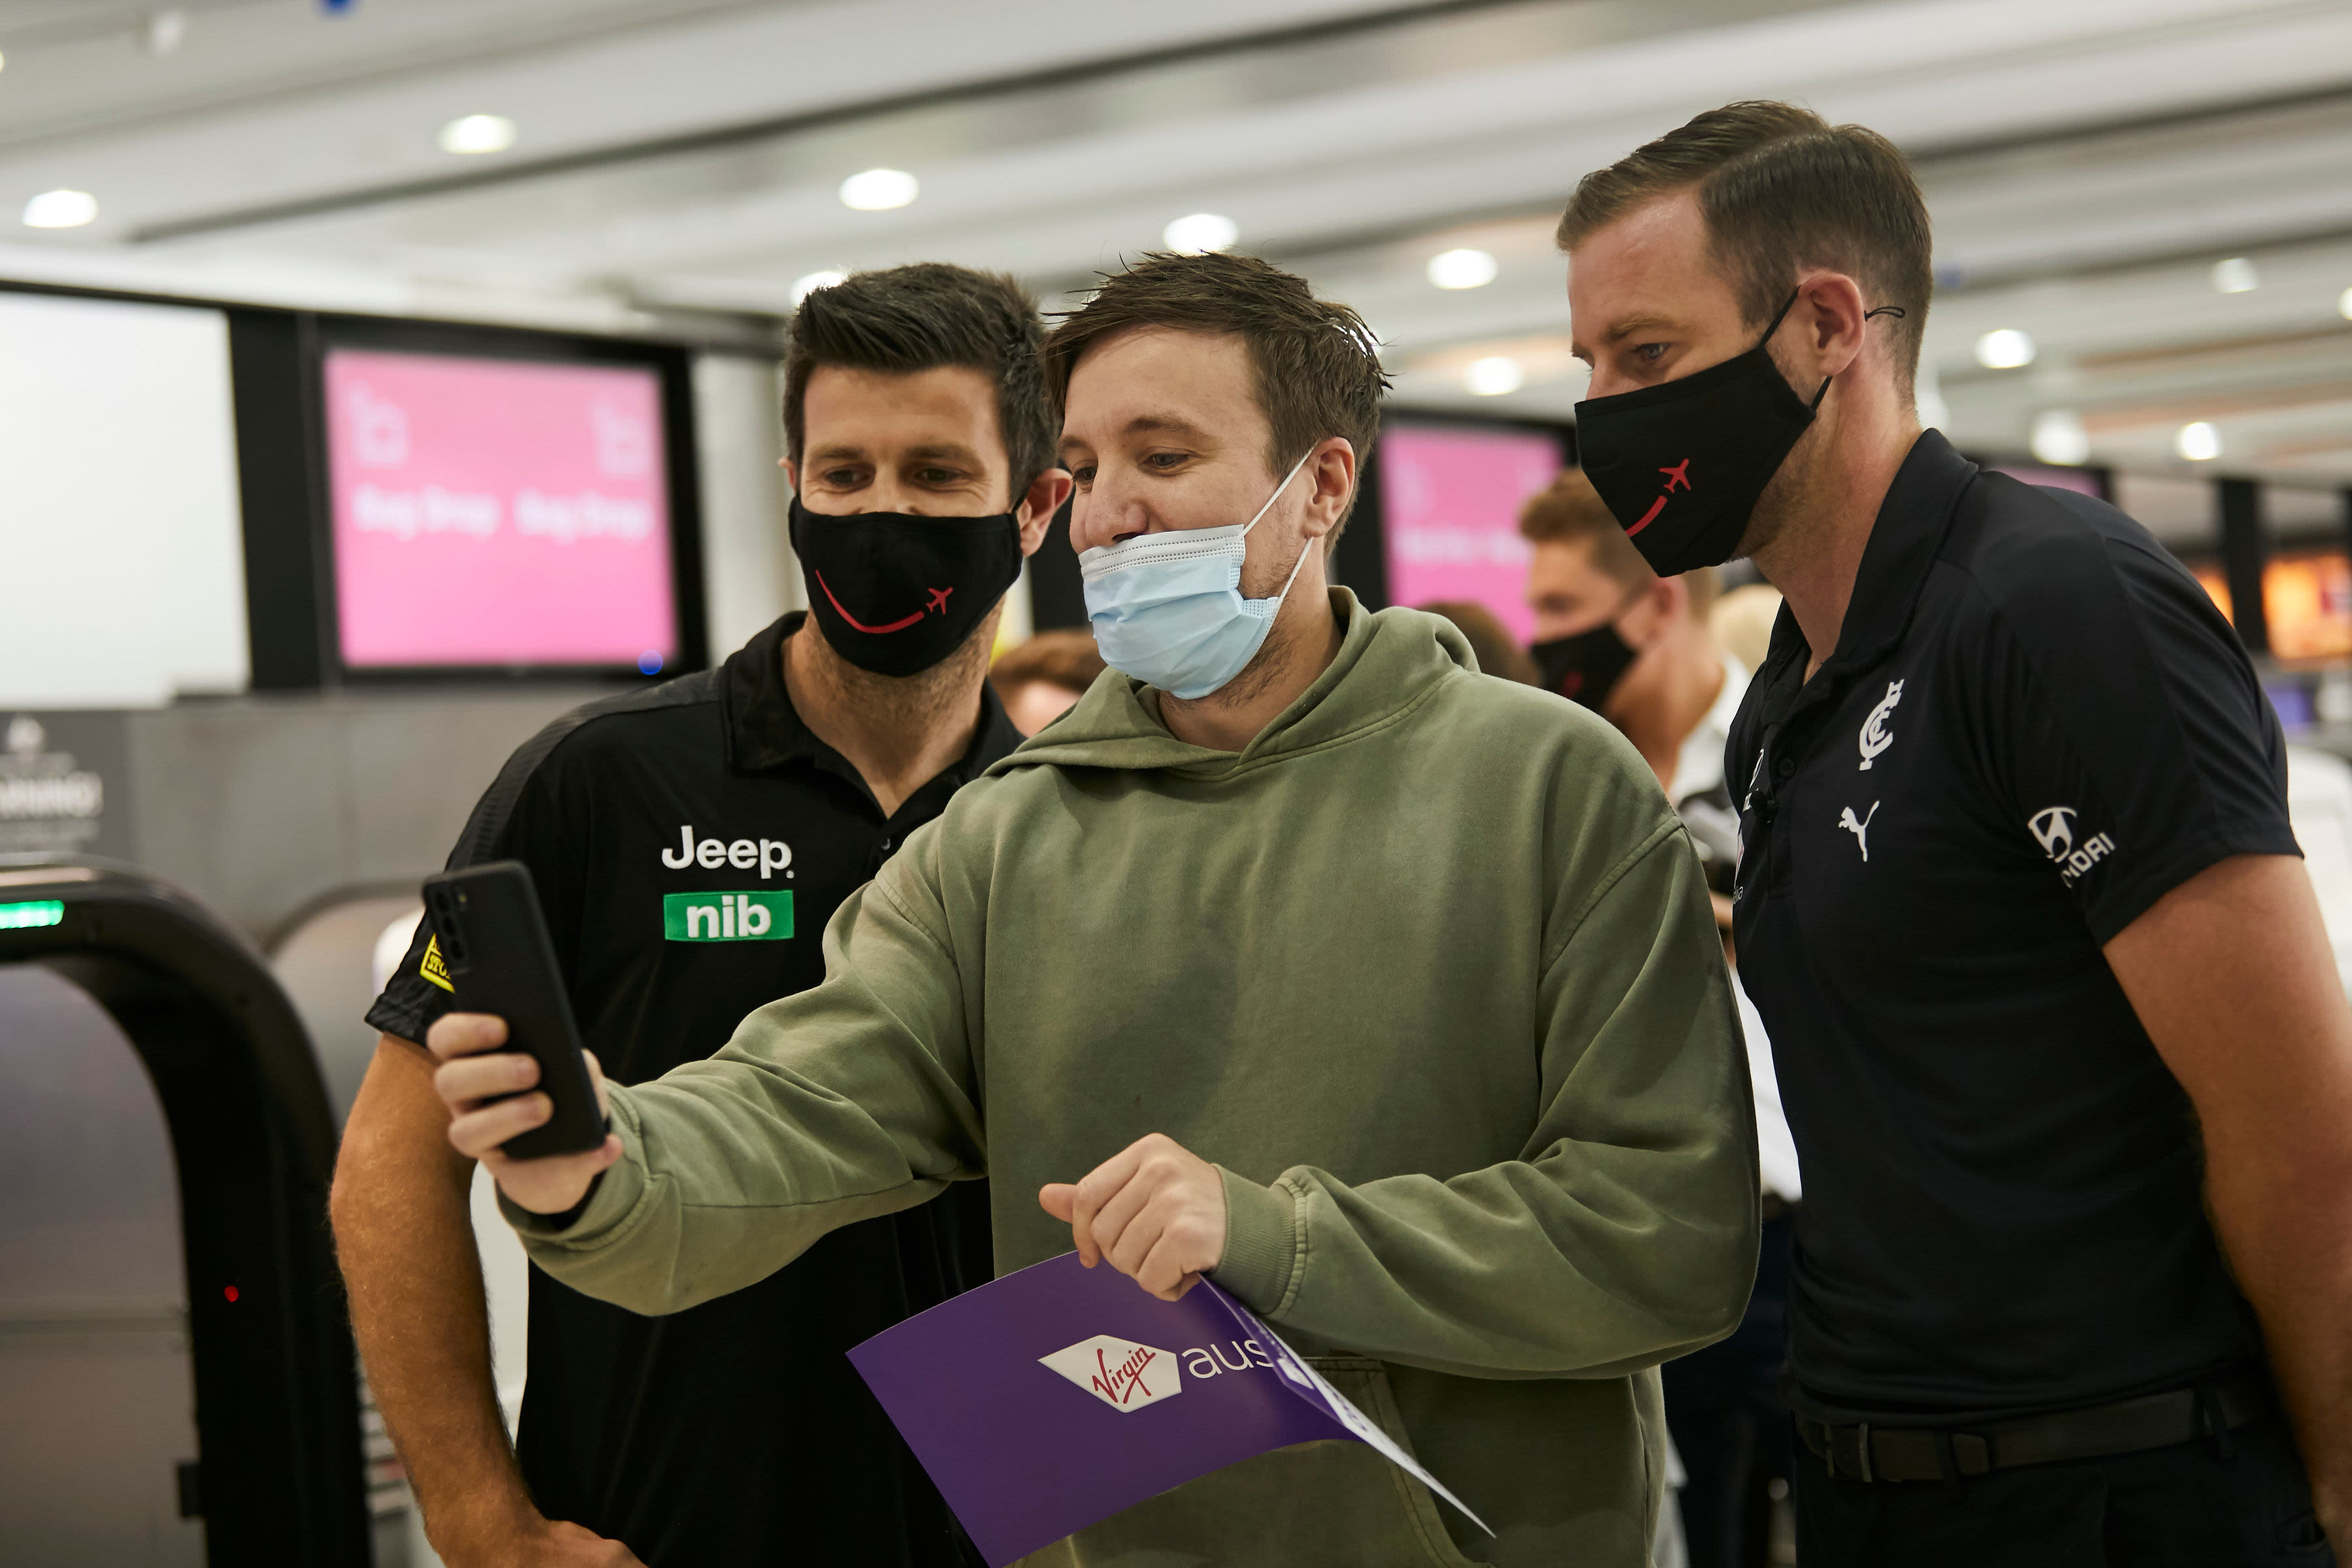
(95,959)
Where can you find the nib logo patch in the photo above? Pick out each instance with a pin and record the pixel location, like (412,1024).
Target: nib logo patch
(1121,1373)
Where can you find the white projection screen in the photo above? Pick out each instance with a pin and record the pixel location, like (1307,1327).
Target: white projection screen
(121,557)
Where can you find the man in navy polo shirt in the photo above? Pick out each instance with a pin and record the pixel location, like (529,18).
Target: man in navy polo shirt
(2057,1026)
(689,842)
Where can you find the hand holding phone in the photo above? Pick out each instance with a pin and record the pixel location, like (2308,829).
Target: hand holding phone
(521,1089)
(488,1089)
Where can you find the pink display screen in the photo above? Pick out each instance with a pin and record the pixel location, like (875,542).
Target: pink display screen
(498,512)
(1449,505)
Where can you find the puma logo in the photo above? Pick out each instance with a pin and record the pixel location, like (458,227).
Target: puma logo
(1859,827)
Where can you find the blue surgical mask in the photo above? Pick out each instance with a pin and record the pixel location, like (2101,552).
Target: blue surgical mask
(1167,609)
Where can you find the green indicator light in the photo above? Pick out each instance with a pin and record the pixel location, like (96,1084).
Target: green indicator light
(39,912)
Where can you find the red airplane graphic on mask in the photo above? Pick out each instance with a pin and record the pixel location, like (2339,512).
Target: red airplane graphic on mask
(939,602)
(1677,475)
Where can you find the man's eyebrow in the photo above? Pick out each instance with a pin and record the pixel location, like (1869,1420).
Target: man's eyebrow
(1168,424)
(956,449)
(1641,321)
(832,451)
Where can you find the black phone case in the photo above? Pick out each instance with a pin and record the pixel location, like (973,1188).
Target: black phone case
(494,945)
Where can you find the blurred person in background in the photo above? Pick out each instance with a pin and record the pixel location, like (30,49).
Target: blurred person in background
(1648,661)
(921,442)
(1296,956)
(1491,642)
(2055,1019)
(1044,677)
(1634,647)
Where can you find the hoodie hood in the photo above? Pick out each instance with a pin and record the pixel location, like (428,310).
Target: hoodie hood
(1388,664)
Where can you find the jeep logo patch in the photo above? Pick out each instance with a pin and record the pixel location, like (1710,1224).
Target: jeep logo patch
(727,916)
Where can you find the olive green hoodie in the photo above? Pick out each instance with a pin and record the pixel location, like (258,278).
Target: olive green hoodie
(1428,969)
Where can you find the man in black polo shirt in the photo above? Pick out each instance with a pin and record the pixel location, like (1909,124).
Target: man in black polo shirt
(2018,904)
(689,842)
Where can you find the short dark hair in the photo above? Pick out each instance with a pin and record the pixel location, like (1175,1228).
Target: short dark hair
(1315,367)
(902,320)
(1568,511)
(1782,189)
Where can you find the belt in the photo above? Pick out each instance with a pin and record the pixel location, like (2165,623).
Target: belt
(1868,1452)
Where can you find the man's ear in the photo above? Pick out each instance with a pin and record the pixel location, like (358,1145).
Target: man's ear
(1652,612)
(1331,473)
(1036,513)
(792,473)
(1831,328)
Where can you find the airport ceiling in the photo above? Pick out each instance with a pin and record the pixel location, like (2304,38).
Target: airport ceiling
(676,166)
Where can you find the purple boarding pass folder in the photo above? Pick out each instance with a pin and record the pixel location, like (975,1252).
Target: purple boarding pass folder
(1058,1396)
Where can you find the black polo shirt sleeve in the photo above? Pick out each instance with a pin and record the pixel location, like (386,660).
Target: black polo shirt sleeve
(529,815)
(2119,721)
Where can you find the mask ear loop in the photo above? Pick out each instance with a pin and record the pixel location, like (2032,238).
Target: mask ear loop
(1278,490)
(1299,564)
(1814,407)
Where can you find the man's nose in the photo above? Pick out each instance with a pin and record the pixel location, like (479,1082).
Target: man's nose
(1103,515)
(888,492)
(1607,383)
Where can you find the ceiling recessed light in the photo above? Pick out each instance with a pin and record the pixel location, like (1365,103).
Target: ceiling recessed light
(808,283)
(166,31)
(1197,234)
(2059,436)
(2344,304)
(878,190)
(2200,443)
(1493,376)
(1462,269)
(2235,276)
(61,209)
(472,133)
(2005,348)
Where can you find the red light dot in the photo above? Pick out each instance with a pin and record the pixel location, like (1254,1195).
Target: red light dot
(230,1292)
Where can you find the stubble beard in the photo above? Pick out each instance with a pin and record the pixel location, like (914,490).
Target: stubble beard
(912,701)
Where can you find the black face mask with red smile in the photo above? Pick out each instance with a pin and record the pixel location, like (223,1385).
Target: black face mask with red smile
(895,594)
(1681,465)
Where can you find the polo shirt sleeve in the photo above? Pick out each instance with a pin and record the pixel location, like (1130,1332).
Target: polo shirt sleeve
(2123,734)
(529,815)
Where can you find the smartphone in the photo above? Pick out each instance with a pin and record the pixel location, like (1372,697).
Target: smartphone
(494,944)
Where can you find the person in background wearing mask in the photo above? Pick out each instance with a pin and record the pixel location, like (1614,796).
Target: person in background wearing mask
(1634,648)
(1490,640)
(1044,677)
(1637,647)
(921,442)
(2056,1021)
(1299,957)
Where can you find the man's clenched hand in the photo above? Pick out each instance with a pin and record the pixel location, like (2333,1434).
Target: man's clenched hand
(1155,1209)
(473,1074)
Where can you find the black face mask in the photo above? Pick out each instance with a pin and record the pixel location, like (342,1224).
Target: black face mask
(1585,667)
(895,594)
(1680,465)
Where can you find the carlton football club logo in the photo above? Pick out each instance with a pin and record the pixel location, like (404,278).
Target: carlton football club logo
(1121,1373)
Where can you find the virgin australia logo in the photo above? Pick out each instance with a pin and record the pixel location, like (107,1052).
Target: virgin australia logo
(1121,1373)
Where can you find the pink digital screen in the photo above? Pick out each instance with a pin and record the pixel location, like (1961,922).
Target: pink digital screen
(1449,505)
(498,512)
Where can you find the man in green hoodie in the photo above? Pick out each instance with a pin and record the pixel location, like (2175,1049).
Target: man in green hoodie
(1297,954)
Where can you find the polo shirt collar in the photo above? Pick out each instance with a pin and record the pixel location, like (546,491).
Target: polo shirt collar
(765,731)
(1904,540)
